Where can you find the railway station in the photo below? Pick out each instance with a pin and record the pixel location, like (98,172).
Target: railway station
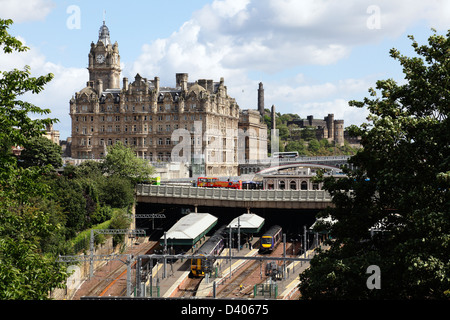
(238,278)
(247,222)
(189,230)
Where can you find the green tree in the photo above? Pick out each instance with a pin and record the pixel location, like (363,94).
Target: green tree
(401,186)
(296,146)
(308,133)
(41,151)
(122,161)
(25,272)
(16,127)
(314,146)
(116,192)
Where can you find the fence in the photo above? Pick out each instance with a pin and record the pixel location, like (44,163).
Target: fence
(265,290)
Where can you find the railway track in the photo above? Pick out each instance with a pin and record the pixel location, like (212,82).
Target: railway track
(229,288)
(108,280)
(250,269)
(191,288)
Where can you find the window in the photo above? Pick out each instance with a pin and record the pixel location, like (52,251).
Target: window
(293,185)
(304,185)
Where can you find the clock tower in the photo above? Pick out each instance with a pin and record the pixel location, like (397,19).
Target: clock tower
(104,60)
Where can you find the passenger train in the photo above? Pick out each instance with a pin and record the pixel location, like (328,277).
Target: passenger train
(270,239)
(213,246)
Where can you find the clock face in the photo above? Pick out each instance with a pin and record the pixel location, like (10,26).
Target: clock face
(100,58)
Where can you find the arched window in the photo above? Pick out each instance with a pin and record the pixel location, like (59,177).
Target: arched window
(293,185)
(304,185)
(281,185)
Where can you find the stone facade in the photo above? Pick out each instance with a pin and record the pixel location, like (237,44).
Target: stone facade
(328,128)
(155,119)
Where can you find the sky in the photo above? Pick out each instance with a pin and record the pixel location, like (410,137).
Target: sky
(312,56)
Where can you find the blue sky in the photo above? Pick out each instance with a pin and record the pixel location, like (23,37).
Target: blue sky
(313,56)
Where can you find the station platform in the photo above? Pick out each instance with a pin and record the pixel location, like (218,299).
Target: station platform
(178,272)
(177,275)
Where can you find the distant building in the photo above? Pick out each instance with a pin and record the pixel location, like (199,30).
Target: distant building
(144,115)
(328,128)
(52,134)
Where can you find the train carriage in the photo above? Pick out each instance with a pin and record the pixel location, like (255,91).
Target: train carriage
(270,239)
(213,246)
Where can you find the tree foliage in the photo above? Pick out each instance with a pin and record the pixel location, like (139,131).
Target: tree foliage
(41,151)
(16,125)
(401,186)
(25,273)
(121,161)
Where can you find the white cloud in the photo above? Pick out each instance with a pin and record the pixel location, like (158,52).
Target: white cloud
(236,39)
(57,93)
(25,10)
(272,35)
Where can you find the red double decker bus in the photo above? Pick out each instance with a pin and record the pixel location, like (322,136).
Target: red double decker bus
(216,183)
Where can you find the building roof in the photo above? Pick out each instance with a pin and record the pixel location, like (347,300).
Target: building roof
(189,229)
(249,222)
(103,34)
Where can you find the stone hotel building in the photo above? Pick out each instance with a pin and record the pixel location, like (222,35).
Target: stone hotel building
(144,115)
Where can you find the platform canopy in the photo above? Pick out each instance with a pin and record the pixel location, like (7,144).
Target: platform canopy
(249,223)
(189,229)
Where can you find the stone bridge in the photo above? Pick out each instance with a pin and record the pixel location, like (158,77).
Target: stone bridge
(222,197)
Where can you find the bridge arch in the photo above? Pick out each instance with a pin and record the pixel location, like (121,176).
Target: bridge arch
(298,165)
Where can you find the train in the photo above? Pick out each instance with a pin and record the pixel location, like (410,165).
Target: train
(213,246)
(216,183)
(270,239)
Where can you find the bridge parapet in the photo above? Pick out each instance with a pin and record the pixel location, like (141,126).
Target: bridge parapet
(288,199)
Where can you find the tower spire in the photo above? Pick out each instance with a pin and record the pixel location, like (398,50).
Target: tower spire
(103,34)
